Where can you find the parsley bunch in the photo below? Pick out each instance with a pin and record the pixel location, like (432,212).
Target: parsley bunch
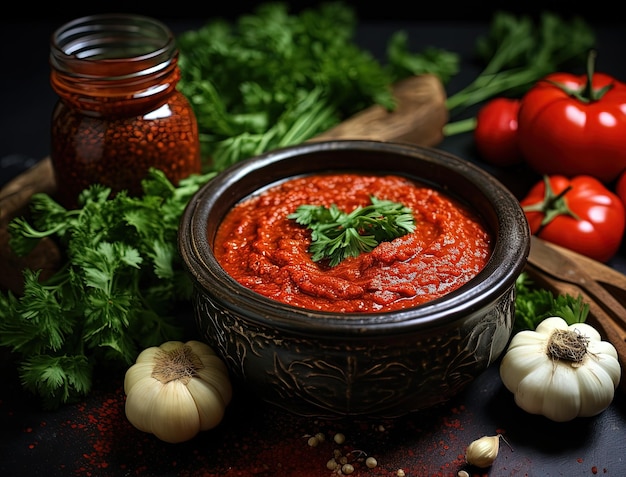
(122,277)
(336,235)
(534,304)
(274,78)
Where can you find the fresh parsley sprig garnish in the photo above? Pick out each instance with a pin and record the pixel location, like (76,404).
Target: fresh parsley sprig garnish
(336,235)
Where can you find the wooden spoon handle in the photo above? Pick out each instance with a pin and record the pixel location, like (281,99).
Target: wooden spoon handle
(596,270)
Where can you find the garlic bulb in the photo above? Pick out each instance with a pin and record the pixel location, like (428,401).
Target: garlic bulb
(482,452)
(561,371)
(176,390)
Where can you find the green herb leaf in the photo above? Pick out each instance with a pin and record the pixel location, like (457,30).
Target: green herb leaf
(534,304)
(61,378)
(115,295)
(273,79)
(403,63)
(516,53)
(336,235)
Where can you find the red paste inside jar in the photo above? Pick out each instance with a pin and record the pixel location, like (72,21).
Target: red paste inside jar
(264,250)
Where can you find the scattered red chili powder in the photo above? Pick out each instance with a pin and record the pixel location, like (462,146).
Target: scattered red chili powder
(94,438)
(260,440)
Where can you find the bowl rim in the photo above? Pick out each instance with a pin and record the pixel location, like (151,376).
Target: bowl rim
(511,245)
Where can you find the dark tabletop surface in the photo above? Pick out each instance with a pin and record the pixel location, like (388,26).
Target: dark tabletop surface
(93,438)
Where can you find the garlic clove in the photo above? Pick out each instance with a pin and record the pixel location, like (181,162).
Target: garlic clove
(143,392)
(174,416)
(201,349)
(147,355)
(600,386)
(209,403)
(135,373)
(483,452)
(219,380)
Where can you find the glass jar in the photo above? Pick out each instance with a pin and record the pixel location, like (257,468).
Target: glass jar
(119,112)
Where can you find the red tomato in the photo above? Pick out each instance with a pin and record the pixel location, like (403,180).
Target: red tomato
(620,188)
(581,214)
(495,134)
(569,127)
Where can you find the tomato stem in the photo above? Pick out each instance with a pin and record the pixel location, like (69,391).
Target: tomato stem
(587,93)
(552,205)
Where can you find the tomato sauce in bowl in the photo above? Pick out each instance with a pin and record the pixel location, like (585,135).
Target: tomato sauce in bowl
(238,232)
(265,251)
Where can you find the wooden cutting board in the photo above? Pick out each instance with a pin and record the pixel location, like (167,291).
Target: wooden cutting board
(418,119)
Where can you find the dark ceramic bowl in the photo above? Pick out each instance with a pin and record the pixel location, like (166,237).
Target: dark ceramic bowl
(369,365)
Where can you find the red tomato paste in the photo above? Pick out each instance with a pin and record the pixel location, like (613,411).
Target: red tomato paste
(264,250)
